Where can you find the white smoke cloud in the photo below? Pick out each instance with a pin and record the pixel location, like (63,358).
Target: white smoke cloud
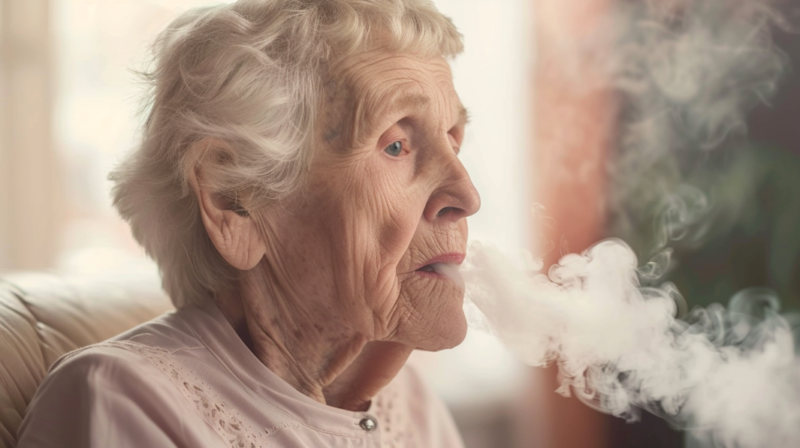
(730,374)
(688,72)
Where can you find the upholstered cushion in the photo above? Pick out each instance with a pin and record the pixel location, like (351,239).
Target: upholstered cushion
(43,316)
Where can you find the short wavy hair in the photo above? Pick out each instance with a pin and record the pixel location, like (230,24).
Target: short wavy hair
(250,74)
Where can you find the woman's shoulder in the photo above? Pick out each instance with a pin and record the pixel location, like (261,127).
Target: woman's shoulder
(169,374)
(101,368)
(172,331)
(102,392)
(117,359)
(123,356)
(130,353)
(129,385)
(139,353)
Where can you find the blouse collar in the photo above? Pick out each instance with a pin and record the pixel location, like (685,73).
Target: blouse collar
(216,333)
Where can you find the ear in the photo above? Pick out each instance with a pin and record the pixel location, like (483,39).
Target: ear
(233,232)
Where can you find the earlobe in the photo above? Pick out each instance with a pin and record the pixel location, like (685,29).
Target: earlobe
(231,229)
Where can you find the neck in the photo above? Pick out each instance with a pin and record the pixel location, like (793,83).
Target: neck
(314,353)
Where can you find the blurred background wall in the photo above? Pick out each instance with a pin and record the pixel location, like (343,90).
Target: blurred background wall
(68,103)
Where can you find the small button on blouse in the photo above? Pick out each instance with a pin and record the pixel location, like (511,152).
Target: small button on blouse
(368,423)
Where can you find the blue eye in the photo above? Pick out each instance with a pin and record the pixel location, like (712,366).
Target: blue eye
(394,149)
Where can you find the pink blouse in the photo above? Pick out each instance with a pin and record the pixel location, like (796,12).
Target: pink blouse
(187,380)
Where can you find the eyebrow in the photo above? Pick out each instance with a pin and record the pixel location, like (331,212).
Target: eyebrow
(403,101)
(409,101)
(416,101)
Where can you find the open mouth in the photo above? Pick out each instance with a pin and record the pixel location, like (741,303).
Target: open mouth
(442,271)
(428,268)
(442,267)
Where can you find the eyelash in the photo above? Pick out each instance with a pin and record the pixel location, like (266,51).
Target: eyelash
(398,137)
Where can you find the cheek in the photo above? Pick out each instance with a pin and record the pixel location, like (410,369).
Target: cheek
(395,215)
(369,212)
(395,207)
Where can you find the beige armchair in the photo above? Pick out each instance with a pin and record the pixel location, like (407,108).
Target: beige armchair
(43,316)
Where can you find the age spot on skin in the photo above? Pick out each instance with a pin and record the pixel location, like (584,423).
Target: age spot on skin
(332,134)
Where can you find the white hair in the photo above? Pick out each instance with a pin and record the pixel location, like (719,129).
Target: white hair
(249,74)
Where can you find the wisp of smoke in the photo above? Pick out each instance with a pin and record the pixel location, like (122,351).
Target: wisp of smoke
(688,72)
(731,373)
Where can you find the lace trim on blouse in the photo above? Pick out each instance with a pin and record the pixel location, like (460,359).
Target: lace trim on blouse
(237,432)
(395,422)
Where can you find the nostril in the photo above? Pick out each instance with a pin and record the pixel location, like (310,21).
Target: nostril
(445,211)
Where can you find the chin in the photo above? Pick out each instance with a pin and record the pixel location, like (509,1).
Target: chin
(446,332)
(438,321)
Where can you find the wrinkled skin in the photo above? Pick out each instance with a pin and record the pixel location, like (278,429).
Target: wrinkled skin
(330,298)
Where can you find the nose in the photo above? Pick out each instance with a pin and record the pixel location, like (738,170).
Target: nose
(455,196)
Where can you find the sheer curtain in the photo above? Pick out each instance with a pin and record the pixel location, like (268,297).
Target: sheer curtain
(29,187)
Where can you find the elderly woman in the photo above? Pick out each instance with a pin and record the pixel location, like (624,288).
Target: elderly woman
(299,186)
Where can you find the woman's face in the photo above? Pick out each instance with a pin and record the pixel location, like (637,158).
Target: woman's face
(386,197)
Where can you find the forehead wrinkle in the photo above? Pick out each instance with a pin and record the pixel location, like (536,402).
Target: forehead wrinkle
(400,101)
(397,101)
(365,102)
(356,104)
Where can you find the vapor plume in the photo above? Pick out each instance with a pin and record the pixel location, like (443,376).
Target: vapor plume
(688,72)
(731,373)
